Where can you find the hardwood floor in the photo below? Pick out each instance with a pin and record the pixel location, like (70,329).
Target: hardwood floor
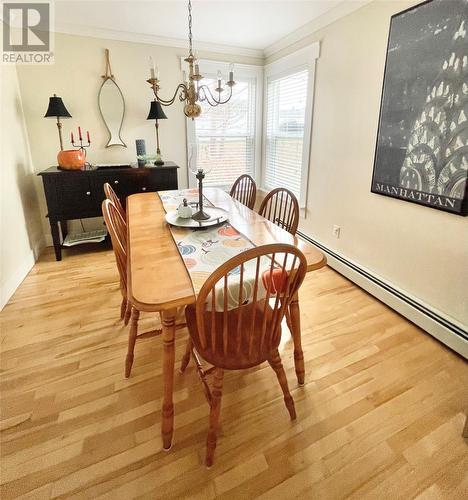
(380,416)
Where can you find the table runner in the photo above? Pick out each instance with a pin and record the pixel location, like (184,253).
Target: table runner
(204,250)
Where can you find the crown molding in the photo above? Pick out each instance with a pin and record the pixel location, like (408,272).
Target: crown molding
(127,36)
(341,10)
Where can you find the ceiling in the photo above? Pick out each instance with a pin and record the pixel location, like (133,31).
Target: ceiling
(254,24)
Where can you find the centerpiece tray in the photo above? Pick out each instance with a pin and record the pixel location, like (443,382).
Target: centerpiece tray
(217,216)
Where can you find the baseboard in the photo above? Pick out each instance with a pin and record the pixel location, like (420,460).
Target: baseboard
(433,321)
(9,287)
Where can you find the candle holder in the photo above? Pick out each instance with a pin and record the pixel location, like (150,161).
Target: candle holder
(200,215)
(81,146)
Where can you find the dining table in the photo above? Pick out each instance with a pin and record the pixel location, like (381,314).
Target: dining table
(158,280)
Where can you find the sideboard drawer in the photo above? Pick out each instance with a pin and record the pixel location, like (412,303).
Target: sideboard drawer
(161,180)
(123,184)
(76,196)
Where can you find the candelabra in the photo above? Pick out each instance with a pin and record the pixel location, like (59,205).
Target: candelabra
(81,146)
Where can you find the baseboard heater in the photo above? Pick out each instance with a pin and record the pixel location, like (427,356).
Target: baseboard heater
(451,334)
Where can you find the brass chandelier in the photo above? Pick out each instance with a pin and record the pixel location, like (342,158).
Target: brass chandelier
(191,92)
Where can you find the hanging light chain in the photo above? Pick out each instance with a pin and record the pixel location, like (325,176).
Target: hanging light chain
(190,26)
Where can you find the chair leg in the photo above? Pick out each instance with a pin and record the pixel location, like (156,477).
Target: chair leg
(186,359)
(288,319)
(215,409)
(128,313)
(123,308)
(131,341)
(295,316)
(275,363)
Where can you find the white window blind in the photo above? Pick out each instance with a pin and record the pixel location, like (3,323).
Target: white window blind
(225,135)
(286,104)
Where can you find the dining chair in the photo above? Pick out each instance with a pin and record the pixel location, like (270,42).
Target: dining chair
(112,196)
(235,323)
(281,207)
(117,227)
(244,190)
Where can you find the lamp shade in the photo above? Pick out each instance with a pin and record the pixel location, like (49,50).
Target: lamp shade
(156,112)
(56,108)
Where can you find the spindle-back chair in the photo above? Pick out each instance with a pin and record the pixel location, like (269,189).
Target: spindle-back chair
(112,196)
(117,227)
(236,321)
(281,207)
(244,190)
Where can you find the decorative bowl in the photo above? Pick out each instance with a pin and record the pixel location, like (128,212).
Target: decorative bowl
(71,159)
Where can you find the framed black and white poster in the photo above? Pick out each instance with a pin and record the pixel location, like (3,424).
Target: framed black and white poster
(422,141)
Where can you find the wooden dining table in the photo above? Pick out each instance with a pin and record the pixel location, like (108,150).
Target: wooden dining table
(158,280)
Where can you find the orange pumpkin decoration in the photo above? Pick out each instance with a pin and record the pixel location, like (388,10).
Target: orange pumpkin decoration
(227,231)
(71,159)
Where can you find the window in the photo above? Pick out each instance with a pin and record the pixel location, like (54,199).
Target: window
(227,140)
(223,139)
(288,122)
(285,117)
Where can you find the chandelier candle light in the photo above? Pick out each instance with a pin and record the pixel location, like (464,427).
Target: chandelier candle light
(191,92)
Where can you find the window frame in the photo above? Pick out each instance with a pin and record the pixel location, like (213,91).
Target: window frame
(304,58)
(247,71)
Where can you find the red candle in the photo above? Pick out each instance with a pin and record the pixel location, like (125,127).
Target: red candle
(79,134)
(72,139)
(87,135)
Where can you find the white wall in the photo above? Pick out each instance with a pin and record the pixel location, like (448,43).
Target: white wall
(422,251)
(22,237)
(76,77)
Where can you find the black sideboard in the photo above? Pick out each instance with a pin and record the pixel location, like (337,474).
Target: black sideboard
(78,194)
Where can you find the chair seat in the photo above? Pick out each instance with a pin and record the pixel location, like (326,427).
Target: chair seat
(239,355)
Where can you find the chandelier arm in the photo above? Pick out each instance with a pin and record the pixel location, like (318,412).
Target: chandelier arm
(208,97)
(182,87)
(228,98)
(203,96)
(217,101)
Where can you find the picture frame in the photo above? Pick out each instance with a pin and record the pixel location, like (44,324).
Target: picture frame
(421,152)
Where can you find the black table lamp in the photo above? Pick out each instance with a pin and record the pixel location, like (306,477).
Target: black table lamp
(156,113)
(57,110)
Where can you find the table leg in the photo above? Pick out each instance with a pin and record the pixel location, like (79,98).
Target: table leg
(295,318)
(168,338)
